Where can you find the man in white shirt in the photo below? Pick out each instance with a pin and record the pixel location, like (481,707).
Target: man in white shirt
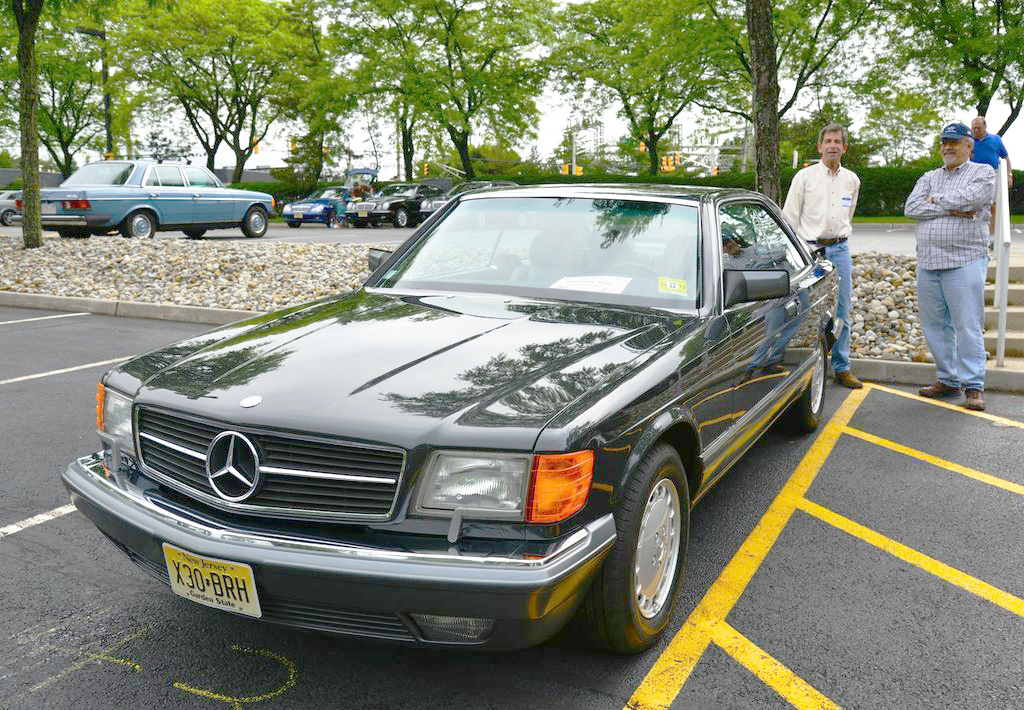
(820,205)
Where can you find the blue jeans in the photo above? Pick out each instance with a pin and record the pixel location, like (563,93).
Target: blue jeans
(839,254)
(952,305)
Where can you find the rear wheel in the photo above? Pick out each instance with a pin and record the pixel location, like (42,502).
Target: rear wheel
(631,600)
(139,223)
(255,224)
(194,233)
(804,414)
(6,218)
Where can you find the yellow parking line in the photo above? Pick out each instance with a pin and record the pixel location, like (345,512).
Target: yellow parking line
(935,461)
(946,405)
(670,672)
(928,564)
(775,675)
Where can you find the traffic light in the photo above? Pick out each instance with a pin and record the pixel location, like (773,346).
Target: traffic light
(677,158)
(256,148)
(564,169)
(426,168)
(579,169)
(293,146)
(714,171)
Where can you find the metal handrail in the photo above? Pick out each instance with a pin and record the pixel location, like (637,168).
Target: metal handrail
(1002,246)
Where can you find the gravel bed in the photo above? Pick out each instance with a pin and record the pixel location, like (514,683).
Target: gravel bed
(263,276)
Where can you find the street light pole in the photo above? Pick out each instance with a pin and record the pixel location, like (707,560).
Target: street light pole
(102,35)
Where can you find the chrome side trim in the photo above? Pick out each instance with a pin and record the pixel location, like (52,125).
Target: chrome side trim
(601,531)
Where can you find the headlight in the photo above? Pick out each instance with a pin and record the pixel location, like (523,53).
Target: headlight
(287,209)
(488,485)
(114,416)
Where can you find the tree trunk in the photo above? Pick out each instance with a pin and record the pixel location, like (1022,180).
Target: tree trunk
(27,16)
(764,67)
(408,150)
(460,139)
(652,154)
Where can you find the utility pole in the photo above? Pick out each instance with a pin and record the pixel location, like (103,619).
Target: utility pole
(102,36)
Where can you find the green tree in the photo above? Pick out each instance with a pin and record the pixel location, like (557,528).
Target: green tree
(957,44)
(222,62)
(70,109)
(902,122)
(638,55)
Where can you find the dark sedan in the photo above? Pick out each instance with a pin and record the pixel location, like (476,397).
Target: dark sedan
(504,429)
(398,204)
(429,207)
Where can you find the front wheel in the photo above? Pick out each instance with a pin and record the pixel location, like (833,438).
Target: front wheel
(632,598)
(295,225)
(255,223)
(400,218)
(139,223)
(804,414)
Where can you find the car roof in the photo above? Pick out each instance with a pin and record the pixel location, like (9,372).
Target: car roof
(620,190)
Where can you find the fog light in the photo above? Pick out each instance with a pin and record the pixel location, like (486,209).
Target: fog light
(453,628)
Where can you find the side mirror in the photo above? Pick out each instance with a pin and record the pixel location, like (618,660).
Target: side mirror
(743,286)
(375,257)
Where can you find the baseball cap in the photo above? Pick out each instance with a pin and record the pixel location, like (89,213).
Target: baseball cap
(955,132)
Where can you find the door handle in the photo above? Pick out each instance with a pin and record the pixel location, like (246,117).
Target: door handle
(153,195)
(196,194)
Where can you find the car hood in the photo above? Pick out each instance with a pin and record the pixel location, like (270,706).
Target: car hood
(309,203)
(404,370)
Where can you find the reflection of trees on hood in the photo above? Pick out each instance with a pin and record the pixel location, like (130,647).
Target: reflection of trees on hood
(502,374)
(221,370)
(356,306)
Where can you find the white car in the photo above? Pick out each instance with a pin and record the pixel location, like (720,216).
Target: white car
(7,207)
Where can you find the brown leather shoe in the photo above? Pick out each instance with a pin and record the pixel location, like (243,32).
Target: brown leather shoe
(939,390)
(848,379)
(975,401)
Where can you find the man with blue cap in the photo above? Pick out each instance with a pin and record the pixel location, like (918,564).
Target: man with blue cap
(952,205)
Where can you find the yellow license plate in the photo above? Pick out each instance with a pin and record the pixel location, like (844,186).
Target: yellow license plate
(218,583)
(363,214)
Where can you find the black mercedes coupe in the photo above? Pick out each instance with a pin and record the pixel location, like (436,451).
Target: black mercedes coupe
(504,430)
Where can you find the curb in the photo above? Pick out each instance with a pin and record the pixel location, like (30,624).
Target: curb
(128,309)
(881,371)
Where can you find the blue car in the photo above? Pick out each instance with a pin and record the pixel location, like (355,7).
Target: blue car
(326,206)
(138,198)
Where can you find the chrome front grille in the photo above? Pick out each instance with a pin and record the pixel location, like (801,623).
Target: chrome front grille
(306,478)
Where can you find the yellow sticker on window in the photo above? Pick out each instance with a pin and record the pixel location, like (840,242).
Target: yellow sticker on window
(667,285)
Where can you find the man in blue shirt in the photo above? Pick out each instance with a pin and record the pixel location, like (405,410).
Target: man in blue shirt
(989,148)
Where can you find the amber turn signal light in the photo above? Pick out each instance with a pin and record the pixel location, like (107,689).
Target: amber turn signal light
(99,407)
(559,486)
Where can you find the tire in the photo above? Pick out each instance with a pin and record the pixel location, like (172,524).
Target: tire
(400,217)
(631,601)
(5,218)
(359,225)
(804,415)
(73,233)
(194,233)
(140,224)
(295,225)
(255,224)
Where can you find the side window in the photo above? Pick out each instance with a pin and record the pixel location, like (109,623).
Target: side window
(170,176)
(752,239)
(197,177)
(151,179)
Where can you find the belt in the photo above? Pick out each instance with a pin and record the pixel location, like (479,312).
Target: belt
(830,242)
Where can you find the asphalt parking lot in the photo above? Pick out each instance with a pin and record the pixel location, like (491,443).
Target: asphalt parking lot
(876,564)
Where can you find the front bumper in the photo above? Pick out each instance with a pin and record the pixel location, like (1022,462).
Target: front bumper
(357,590)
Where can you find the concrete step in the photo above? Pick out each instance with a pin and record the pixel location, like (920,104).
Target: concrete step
(1014,294)
(1016,270)
(1014,343)
(1014,318)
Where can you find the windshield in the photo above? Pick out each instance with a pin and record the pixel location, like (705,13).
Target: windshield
(324,194)
(392,190)
(105,173)
(628,252)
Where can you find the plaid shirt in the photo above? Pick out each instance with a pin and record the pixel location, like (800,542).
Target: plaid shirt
(945,241)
